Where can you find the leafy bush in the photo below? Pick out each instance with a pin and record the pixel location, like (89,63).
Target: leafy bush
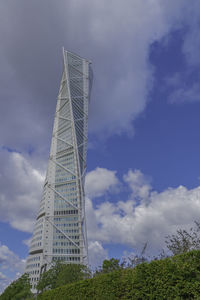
(175,277)
(61,274)
(18,289)
(184,240)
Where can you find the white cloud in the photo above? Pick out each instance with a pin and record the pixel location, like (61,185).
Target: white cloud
(185,86)
(138,183)
(145,216)
(9,261)
(2,277)
(192,38)
(20,190)
(27,242)
(127,76)
(115,35)
(149,219)
(181,90)
(100,181)
(185,94)
(97,254)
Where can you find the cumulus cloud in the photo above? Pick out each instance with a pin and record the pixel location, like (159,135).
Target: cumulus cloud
(100,181)
(97,254)
(2,276)
(4,281)
(149,219)
(9,261)
(185,94)
(138,183)
(145,215)
(181,89)
(192,38)
(118,44)
(20,190)
(183,85)
(27,242)
(186,18)
(116,36)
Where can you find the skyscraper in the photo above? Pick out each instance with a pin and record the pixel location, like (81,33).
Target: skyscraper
(60,228)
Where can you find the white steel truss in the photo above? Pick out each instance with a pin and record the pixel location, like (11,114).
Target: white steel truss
(60,229)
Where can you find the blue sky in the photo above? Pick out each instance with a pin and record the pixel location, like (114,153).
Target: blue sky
(143,179)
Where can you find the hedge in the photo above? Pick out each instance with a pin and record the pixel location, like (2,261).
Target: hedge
(177,277)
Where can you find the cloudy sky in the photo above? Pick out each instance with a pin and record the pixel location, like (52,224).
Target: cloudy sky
(143,179)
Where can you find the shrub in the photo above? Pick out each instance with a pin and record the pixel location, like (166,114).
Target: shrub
(175,277)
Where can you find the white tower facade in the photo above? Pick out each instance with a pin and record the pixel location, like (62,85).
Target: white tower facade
(60,228)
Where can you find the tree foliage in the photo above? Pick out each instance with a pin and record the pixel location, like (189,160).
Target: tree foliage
(18,290)
(184,241)
(61,274)
(110,265)
(135,259)
(176,277)
(113,264)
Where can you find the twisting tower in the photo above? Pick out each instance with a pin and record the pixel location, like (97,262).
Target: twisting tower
(60,228)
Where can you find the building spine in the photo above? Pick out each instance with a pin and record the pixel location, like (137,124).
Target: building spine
(60,228)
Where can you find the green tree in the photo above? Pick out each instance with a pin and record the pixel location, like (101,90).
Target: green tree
(71,273)
(176,277)
(184,241)
(110,265)
(136,259)
(19,289)
(61,274)
(48,279)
